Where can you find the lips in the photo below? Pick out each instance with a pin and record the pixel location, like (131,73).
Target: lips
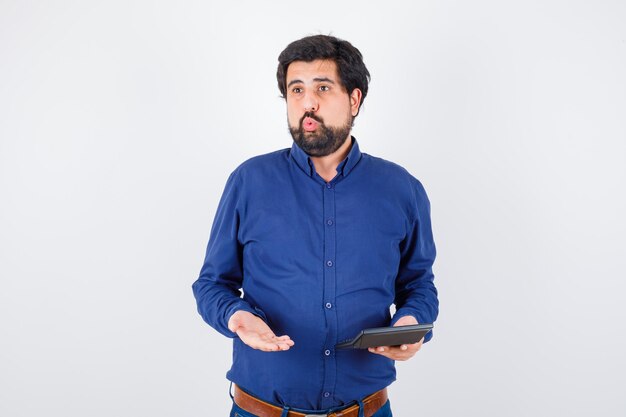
(309,124)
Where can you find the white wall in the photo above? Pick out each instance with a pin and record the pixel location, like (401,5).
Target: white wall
(120,121)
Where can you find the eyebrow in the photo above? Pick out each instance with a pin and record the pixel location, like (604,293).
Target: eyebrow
(317,79)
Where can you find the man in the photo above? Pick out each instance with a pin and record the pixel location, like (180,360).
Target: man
(322,239)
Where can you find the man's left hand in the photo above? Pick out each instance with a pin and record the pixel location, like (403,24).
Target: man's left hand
(403,352)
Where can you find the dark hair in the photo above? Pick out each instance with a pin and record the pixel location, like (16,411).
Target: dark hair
(349,61)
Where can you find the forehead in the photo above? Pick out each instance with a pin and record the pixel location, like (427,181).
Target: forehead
(307,71)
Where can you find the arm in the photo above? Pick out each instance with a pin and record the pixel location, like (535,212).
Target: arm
(416,296)
(217,290)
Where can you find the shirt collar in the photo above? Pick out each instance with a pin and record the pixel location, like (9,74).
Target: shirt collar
(304,161)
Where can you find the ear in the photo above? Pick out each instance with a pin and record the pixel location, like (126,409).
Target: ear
(355,101)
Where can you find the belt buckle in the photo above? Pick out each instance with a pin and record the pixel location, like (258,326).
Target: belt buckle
(316,415)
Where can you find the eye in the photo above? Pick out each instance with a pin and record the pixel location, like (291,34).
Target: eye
(296,90)
(324,88)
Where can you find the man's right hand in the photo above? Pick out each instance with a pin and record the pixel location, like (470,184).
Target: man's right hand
(255,333)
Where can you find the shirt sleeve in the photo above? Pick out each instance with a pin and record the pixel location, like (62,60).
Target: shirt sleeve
(416,294)
(217,289)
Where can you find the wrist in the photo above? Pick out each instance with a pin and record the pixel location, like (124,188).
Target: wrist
(234,322)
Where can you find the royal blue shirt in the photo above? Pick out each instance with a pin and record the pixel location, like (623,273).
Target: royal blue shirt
(318,261)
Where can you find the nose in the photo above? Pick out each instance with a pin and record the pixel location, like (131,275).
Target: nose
(310,102)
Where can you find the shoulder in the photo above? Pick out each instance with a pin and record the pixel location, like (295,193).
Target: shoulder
(393,174)
(261,164)
(396,182)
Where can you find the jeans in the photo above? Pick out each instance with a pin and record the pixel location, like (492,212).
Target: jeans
(384,411)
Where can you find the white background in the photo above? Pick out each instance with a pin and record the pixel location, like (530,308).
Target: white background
(121,120)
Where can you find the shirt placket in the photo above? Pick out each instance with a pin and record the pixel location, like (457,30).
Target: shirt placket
(330,312)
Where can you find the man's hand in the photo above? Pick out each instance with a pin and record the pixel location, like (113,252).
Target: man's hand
(403,352)
(255,333)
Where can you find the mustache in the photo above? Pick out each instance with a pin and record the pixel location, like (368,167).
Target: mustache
(311,115)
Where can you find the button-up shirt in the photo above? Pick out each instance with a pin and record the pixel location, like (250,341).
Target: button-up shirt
(318,261)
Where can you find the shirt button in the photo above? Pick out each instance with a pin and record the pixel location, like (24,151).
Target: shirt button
(329,185)
(329,263)
(327,352)
(329,222)
(327,394)
(329,305)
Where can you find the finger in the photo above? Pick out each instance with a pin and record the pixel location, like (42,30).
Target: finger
(385,353)
(403,355)
(405,349)
(395,353)
(283,338)
(284,346)
(270,346)
(276,347)
(266,348)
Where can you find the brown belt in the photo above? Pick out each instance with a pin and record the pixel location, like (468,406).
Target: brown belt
(253,405)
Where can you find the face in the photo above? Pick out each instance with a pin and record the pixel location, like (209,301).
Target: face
(319,109)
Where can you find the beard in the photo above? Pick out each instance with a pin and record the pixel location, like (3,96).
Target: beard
(324,140)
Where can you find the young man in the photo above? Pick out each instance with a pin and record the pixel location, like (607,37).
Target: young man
(323,239)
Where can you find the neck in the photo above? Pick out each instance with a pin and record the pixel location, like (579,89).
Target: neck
(326,166)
